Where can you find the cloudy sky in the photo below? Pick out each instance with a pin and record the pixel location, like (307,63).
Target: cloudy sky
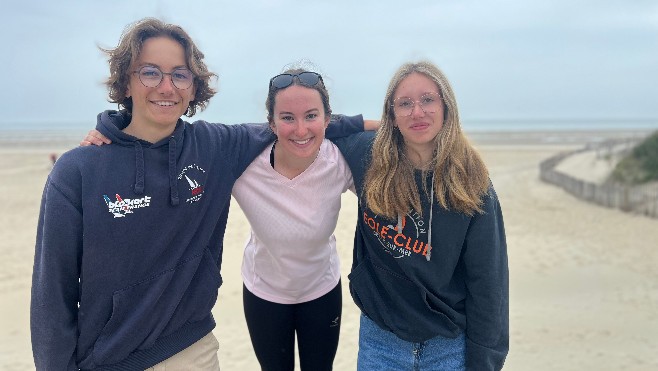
(507,60)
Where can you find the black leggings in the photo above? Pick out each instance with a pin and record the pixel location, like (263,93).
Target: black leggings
(272,328)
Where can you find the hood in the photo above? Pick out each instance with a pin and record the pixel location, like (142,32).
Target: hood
(110,123)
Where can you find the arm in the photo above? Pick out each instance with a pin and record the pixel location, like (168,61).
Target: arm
(371,125)
(487,284)
(340,126)
(239,144)
(356,151)
(244,142)
(55,280)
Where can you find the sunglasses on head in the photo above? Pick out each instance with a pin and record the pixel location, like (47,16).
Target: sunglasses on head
(286,79)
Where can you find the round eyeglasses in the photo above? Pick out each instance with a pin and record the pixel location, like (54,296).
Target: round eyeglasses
(284,80)
(428,102)
(151,77)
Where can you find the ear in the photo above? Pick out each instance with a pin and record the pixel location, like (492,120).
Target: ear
(273,126)
(326,120)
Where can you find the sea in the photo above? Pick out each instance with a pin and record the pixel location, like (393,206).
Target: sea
(25,132)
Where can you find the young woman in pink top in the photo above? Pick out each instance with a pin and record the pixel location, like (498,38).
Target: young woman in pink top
(291,195)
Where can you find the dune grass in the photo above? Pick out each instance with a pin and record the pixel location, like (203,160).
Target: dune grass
(640,165)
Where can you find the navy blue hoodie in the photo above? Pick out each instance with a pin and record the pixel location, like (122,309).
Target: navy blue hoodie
(129,243)
(462,287)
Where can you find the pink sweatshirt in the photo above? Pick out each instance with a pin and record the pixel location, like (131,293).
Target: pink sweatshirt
(290,256)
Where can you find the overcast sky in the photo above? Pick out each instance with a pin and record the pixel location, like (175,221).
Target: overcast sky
(509,59)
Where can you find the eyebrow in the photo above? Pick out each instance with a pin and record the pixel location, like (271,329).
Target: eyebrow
(290,113)
(160,67)
(428,92)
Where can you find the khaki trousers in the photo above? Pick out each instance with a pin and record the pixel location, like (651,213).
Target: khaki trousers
(200,356)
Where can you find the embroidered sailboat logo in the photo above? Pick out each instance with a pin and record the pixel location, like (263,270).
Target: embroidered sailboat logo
(195,187)
(190,175)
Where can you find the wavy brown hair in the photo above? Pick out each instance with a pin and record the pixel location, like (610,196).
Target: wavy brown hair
(461,178)
(130,45)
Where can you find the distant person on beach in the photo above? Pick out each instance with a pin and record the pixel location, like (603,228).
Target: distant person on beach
(130,235)
(53,158)
(291,195)
(430,268)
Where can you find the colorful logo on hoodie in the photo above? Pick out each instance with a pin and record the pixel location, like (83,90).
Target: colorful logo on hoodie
(193,176)
(122,207)
(409,240)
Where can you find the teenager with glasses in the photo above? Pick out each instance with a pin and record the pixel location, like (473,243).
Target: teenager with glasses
(130,235)
(430,268)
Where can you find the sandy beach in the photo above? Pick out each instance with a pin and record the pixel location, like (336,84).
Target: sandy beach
(583,278)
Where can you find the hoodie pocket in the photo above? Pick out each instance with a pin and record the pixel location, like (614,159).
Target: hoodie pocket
(200,297)
(396,303)
(368,295)
(149,309)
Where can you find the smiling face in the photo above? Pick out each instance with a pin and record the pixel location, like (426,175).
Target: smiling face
(419,128)
(156,110)
(299,122)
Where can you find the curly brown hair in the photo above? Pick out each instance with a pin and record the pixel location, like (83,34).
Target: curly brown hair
(127,52)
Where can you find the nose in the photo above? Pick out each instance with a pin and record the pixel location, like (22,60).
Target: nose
(301,130)
(166,84)
(417,110)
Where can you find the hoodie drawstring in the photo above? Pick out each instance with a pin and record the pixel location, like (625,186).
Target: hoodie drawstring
(428,255)
(429,232)
(139,168)
(173,182)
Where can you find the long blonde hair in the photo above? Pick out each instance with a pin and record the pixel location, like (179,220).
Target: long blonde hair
(460,176)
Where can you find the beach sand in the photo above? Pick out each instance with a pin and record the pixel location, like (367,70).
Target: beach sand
(583,278)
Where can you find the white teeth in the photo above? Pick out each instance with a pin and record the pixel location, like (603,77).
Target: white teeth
(302,142)
(164,104)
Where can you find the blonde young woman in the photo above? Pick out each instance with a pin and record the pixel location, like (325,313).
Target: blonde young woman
(430,263)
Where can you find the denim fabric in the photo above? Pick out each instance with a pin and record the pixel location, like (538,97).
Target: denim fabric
(381,350)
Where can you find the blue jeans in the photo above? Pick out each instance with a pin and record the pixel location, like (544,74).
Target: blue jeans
(380,349)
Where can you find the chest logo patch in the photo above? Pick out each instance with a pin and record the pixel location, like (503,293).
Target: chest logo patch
(122,207)
(193,177)
(406,242)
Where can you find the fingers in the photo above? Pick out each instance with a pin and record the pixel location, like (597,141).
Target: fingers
(96,138)
(96,134)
